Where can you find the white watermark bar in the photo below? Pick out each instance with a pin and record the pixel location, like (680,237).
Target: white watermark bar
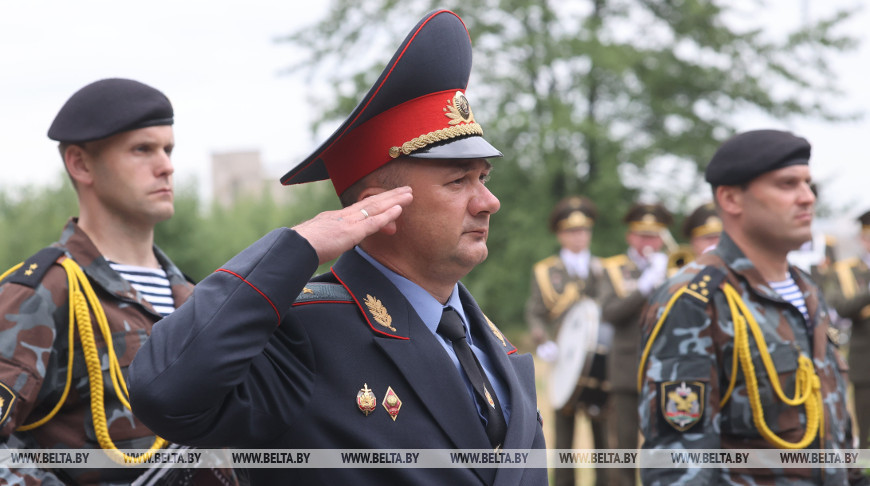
(438,458)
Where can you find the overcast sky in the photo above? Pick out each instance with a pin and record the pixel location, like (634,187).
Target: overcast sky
(219,64)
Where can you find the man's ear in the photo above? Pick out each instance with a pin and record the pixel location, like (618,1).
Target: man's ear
(370,191)
(730,199)
(79,164)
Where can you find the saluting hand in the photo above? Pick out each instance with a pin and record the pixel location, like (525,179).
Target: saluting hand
(332,233)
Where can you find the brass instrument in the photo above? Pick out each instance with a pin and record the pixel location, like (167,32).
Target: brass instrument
(678,255)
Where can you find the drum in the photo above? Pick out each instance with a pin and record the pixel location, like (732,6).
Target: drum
(579,374)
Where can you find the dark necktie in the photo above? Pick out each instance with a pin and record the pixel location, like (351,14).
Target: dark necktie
(451,327)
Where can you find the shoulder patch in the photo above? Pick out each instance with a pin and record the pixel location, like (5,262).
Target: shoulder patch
(7,398)
(35,267)
(682,403)
(322,292)
(705,283)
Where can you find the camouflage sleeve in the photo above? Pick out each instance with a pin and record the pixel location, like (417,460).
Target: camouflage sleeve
(28,332)
(28,329)
(679,396)
(536,313)
(27,475)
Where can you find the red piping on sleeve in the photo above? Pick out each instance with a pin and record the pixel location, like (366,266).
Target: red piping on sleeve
(255,288)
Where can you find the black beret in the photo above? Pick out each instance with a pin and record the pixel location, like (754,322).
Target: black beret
(747,155)
(107,107)
(573,212)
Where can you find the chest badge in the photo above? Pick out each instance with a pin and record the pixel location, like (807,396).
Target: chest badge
(392,403)
(682,403)
(366,400)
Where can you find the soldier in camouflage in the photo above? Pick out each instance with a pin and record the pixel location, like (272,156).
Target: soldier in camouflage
(115,138)
(693,394)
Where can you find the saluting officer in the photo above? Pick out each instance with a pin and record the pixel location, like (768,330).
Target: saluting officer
(558,282)
(58,387)
(735,343)
(387,350)
(630,279)
(850,297)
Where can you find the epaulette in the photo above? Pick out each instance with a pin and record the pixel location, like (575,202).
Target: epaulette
(612,265)
(34,268)
(322,292)
(548,262)
(845,277)
(704,284)
(615,260)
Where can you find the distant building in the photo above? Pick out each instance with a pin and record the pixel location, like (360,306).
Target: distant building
(240,174)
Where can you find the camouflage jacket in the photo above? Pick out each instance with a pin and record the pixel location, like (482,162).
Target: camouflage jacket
(693,351)
(554,291)
(849,294)
(34,323)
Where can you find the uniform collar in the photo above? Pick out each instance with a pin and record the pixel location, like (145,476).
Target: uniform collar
(737,261)
(80,247)
(426,306)
(576,264)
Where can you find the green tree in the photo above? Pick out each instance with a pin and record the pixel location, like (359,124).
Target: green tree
(601,98)
(201,240)
(198,238)
(31,217)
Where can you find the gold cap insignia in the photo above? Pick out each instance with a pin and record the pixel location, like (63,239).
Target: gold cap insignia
(366,400)
(392,403)
(379,312)
(577,219)
(458,109)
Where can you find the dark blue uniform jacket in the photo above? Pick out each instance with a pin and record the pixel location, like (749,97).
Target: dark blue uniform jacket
(244,364)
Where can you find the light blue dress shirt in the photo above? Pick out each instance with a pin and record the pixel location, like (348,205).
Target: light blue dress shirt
(430,310)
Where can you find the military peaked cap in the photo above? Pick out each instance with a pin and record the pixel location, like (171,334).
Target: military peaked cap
(864,219)
(573,212)
(747,155)
(417,108)
(702,222)
(648,218)
(108,107)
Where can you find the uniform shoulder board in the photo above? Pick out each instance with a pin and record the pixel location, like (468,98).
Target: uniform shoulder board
(705,283)
(323,292)
(615,261)
(34,268)
(550,261)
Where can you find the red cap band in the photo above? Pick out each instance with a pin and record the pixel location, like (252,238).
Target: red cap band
(368,146)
